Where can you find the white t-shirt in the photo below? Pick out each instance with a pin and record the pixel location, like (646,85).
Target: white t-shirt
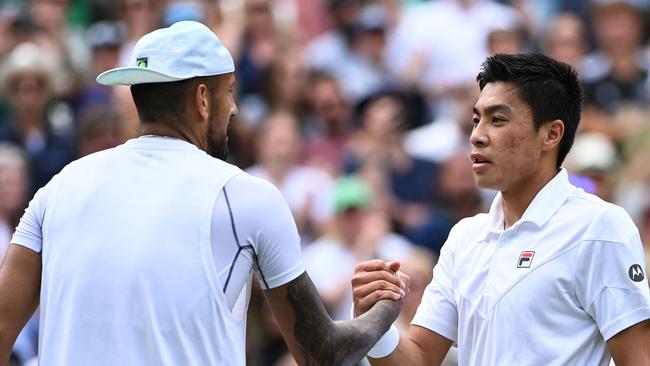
(304,186)
(549,290)
(451,36)
(146,257)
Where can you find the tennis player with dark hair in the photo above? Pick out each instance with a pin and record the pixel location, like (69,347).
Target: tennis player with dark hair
(143,254)
(551,275)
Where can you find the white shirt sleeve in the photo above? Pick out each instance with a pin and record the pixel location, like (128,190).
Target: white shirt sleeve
(264,221)
(29,232)
(611,280)
(437,311)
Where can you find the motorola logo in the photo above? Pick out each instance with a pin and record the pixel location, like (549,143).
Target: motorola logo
(636,273)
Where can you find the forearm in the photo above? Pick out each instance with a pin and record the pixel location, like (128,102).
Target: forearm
(406,353)
(6,344)
(352,339)
(316,339)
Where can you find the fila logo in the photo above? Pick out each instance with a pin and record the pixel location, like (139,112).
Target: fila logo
(525,259)
(636,273)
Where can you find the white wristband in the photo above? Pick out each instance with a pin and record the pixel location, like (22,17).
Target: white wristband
(386,344)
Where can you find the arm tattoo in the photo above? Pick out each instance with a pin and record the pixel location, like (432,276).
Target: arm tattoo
(325,342)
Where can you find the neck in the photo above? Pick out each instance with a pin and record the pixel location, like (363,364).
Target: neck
(277,170)
(625,66)
(516,200)
(164,130)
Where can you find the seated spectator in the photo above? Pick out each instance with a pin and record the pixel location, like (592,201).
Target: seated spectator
(14,191)
(327,125)
(105,39)
(42,125)
(379,143)
(449,132)
(593,158)
(457,196)
(99,129)
(357,232)
(565,39)
(306,189)
(616,74)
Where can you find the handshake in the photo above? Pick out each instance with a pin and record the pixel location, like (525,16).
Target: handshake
(377,280)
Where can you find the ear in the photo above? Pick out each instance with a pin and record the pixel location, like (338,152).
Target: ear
(552,133)
(201,101)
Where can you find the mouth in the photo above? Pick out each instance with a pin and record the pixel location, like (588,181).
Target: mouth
(479,162)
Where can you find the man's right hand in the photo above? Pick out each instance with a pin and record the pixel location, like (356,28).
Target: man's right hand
(377,280)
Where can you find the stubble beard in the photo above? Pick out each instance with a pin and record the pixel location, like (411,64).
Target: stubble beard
(217,145)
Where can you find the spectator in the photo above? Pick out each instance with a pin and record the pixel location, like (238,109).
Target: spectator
(565,40)
(379,142)
(63,43)
(99,129)
(426,50)
(616,73)
(508,41)
(324,52)
(39,123)
(306,189)
(359,67)
(594,157)
(457,197)
(105,39)
(449,133)
(14,191)
(258,47)
(327,123)
(140,18)
(357,232)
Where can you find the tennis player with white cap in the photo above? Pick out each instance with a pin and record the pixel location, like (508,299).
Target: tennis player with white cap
(143,254)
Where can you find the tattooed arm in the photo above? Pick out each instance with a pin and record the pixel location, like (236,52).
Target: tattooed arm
(314,338)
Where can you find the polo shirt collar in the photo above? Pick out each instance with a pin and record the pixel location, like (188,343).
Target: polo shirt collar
(547,201)
(153,142)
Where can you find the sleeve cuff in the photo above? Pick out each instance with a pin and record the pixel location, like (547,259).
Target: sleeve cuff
(386,344)
(283,278)
(625,321)
(26,242)
(446,330)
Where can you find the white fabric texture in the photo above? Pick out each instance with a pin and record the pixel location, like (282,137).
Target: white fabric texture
(136,242)
(560,307)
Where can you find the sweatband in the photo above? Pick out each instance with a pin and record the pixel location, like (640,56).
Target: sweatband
(386,344)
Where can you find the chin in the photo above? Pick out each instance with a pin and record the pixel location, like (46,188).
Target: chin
(485,182)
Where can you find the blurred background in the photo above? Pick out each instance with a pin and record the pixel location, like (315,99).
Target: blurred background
(359,111)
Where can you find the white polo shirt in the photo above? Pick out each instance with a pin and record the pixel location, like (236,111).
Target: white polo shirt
(549,290)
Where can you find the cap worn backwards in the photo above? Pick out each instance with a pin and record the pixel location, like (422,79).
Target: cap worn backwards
(182,51)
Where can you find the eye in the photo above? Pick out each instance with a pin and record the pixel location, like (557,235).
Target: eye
(498,119)
(475,120)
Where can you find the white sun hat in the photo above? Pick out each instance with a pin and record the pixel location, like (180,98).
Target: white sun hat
(185,50)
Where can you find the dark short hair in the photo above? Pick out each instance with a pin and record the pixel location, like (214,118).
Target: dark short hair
(550,88)
(160,102)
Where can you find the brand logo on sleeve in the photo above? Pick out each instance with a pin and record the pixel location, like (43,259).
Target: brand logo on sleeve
(636,273)
(525,259)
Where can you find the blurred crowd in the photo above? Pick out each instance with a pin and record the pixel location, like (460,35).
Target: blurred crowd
(359,111)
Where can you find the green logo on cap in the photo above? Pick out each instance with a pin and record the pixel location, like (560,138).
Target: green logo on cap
(142,62)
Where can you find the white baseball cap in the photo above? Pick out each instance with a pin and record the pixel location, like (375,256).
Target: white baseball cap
(185,50)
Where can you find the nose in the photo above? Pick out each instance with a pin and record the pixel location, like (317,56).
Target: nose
(479,137)
(233,110)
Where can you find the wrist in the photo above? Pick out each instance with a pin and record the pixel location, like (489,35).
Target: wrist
(386,344)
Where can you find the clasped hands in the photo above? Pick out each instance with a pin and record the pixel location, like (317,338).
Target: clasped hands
(377,280)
